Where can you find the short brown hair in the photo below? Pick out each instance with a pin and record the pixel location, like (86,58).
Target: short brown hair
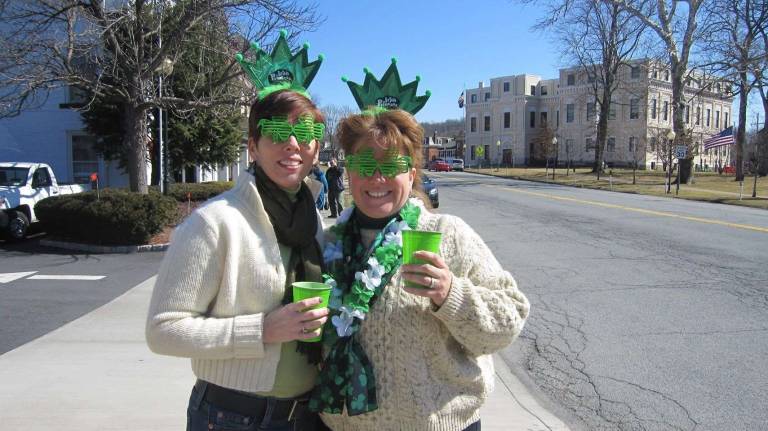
(389,129)
(280,103)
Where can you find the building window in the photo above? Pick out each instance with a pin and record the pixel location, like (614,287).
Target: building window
(666,75)
(590,111)
(634,109)
(612,111)
(653,144)
(507,119)
(487,95)
(611,144)
(588,145)
(473,98)
(533,119)
(653,109)
(569,113)
(571,79)
(635,72)
(708,117)
(557,118)
(632,144)
(698,115)
(655,74)
(543,90)
(473,124)
(590,78)
(725,120)
(665,111)
(568,145)
(543,119)
(487,123)
(506,87)
(717,120)
(687,113)
(533,90)
(85,160)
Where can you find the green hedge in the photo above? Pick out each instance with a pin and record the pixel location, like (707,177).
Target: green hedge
(198,191)
(117,217)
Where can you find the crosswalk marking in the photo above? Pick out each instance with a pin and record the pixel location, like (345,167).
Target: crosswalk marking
(67,277)
(8,277)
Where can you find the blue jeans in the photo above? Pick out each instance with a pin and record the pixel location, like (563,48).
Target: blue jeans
(204,416)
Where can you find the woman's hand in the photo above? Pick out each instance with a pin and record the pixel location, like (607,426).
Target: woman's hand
(294,322)
(433,275)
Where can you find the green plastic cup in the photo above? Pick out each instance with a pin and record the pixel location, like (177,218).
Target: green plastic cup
(417,240)
(310,289)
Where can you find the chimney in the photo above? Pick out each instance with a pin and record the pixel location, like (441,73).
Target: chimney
(480,84)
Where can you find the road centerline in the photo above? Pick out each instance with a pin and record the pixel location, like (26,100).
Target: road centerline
(633,209)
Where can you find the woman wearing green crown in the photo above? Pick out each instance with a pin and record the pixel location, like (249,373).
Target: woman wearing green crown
(398,357)
(221,295)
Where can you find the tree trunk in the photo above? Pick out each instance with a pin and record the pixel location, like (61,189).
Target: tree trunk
(136,142)
(741,135)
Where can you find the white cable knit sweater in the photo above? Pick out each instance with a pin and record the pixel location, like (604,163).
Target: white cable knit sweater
(221,275)
(433,368)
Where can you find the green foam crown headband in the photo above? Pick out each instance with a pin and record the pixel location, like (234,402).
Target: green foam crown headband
(281,69)
(387,93)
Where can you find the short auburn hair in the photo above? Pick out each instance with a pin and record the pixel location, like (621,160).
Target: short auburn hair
(394,128)
(280,103)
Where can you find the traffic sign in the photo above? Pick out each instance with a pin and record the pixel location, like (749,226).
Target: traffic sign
(479,151)
(681,151)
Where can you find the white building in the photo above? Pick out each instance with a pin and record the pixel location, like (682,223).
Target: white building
(511,116)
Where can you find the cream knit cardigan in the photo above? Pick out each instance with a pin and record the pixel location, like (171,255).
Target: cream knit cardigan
(222,273)
(433,367)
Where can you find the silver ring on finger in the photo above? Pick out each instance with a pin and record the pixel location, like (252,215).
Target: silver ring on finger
(431,283)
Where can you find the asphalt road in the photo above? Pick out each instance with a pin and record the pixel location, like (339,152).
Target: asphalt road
(35,299)
(647,313)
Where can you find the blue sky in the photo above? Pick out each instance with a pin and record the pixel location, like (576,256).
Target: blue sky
(451,44)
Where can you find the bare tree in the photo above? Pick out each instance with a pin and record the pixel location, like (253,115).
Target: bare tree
(601,38)
(333,115)
(678,30)
(734,50)
(117,52)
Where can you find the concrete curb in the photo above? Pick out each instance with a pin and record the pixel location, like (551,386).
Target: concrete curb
(92,248)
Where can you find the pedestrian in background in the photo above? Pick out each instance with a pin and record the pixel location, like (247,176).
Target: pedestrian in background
(335,177)
(320,177)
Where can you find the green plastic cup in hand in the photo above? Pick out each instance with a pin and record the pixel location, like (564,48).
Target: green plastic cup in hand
(418,240)
(310,289)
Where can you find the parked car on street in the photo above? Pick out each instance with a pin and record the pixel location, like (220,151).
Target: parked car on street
(429,186)
(456,164)
(22,185)
(439,165)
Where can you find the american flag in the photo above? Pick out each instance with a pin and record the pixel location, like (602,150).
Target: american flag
(723,138)
(461,100)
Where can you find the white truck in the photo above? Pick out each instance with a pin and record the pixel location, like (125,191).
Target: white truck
(22,185)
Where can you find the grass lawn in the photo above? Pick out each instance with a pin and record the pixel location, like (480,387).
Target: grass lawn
(706,186)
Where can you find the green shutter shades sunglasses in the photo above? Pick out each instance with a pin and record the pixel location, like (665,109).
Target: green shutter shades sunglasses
(391,165)
(305,129)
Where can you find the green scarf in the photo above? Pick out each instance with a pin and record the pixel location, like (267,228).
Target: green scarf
(347,378)
(295,225)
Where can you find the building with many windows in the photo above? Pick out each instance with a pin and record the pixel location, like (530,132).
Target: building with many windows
(515,118)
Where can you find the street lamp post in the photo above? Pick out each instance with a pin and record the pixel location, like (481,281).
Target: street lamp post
(165,69)
(554,167)
(498,154)
(670,141)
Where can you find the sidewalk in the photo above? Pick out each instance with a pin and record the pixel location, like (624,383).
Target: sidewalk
(96,373)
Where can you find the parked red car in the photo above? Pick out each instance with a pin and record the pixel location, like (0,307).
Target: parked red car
(439,166)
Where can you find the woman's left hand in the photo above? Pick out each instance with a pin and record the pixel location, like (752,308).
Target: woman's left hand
(433,275)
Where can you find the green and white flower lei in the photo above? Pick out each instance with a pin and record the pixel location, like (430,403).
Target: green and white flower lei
(385,256)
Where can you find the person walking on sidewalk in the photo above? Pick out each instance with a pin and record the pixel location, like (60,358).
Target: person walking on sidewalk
(398,357)
(222,295)
(335,176)
(319,176)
